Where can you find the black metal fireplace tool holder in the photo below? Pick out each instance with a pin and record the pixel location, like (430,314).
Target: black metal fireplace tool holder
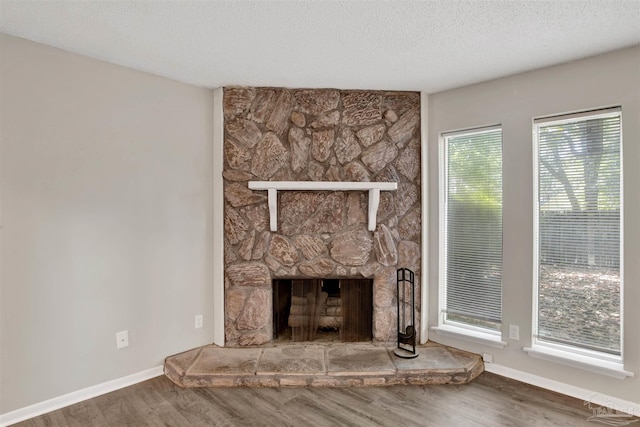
(405,298)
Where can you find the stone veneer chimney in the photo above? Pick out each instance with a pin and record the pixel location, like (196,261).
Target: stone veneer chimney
(317,135)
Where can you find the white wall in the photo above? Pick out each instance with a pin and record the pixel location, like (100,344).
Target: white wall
(606,80)
(106,192)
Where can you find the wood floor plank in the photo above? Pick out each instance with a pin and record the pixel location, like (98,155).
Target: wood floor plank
(155,408)
(348,405)
(76,415)
(196,410)
(489,401)
(248,406)
(120,408)
(413,405)
(52,419)
(534,405)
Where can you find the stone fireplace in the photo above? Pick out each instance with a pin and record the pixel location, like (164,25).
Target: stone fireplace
(276,134)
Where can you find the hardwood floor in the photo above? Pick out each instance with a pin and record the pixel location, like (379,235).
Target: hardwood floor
(489,401)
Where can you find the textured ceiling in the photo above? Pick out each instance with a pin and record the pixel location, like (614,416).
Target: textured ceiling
(393,45)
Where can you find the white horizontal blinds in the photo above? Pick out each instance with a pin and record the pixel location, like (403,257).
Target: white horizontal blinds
(473,222)
(579,200)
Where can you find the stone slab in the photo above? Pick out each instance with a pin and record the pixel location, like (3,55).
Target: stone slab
(430,359)
(463,358)
(293,382)
(359,360)
(374,382)
(214,360)
(180,363)
(292,360)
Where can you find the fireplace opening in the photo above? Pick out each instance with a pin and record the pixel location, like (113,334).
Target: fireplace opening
(323,309)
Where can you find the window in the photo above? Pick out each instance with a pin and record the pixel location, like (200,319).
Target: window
(578,231)
(471,221)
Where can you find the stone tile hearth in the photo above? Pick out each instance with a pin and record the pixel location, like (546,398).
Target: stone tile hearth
(292,360)
(353,360)
(333,365)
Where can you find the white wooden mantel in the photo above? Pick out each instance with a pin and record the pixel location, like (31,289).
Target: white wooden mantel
(272,187)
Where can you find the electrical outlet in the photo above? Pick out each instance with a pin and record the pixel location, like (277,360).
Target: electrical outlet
(199,321)
(487,357)
(122,339)
(514,332)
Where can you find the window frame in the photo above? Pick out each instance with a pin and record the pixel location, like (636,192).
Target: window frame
(446,327)
(591,360)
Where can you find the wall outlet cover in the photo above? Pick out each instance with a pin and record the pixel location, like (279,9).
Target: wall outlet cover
(122,339)
(514,332)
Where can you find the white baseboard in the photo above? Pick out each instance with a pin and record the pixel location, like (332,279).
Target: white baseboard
(77,396)
(588,396)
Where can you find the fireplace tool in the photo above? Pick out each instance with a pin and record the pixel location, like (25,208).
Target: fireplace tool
(406,314)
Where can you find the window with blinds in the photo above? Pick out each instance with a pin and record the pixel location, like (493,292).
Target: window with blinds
(578,228)
(471,216)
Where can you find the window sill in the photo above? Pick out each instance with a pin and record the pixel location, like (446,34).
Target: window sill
(567,358)
(470,335)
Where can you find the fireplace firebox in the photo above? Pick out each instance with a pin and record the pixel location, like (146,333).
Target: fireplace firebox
(323,309)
